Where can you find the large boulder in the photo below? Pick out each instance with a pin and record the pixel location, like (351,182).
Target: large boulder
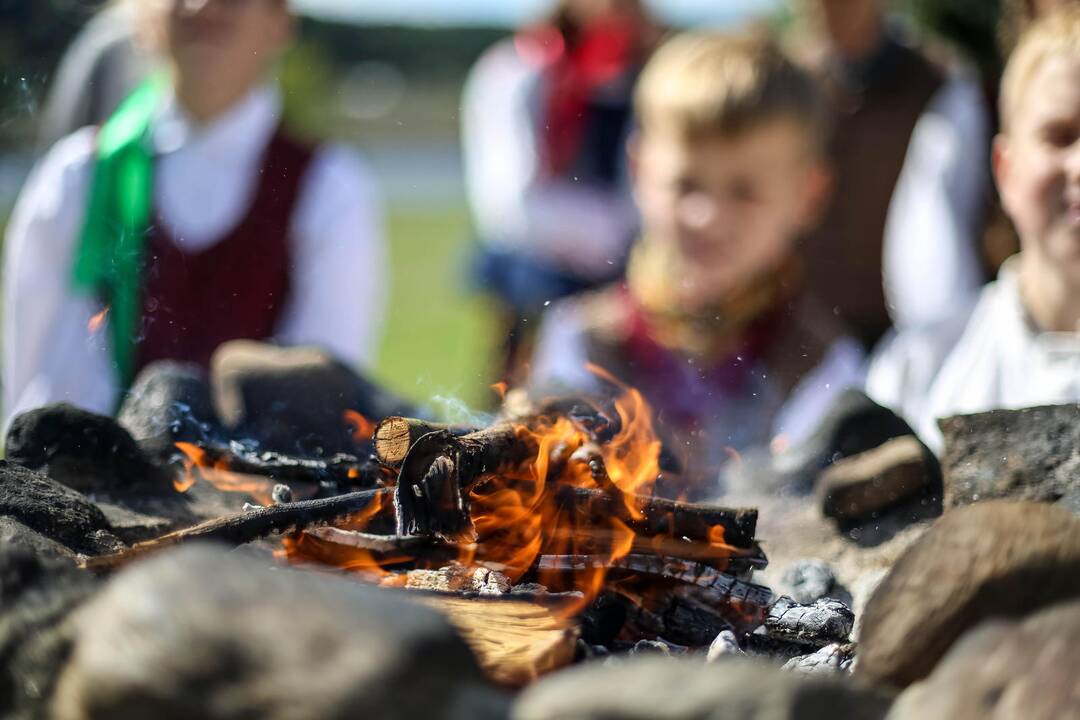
(37,596)
(54,510)
(1029,454)
(1004,670)
(663,688)
(81,449)
(995,559)
(201,633)
(294,399)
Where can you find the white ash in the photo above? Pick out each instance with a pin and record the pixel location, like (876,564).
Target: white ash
(725,645)
(829,660)
(821,623)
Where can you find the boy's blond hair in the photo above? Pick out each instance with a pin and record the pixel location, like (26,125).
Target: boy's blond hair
(1056,34)
(704,84)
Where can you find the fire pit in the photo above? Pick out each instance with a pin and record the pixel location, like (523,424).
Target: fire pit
(542,535)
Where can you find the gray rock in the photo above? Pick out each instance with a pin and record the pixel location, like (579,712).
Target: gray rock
(1004,670)
(829,660)
(650,647)
(853,424)
(1030,454)
(724,645)
(808,580)
(37,596)
(14,534)
(864,485)
(294,399)
(200,633)
(823,622)
(994,559)
(57,512)
(132,526)
(657,688)
(169,402)
(81,449)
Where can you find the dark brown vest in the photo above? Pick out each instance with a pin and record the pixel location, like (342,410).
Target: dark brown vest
(236,288)
(703,419)
(843,258)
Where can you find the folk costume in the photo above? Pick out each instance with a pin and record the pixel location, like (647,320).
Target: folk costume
(155,237)
(545,120)
(995,357)
(911,163)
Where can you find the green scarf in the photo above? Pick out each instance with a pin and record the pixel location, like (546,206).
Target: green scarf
(109,258)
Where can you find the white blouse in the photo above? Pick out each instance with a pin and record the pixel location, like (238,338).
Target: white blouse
(205,178)
(997,359)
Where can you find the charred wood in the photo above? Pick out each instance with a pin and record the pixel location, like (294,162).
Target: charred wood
(824,622)
(662,517)
(440,468)
(331,475)
(246,527)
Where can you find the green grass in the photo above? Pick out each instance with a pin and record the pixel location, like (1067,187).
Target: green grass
(439,338)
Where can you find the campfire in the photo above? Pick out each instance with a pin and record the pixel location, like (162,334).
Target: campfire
(540,535)
(540,538)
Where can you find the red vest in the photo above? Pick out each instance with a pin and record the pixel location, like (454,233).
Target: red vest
(235,289)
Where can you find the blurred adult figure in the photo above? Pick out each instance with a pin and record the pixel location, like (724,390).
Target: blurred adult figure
(911,159)
(100,68)
(188,219)
(545,118)
(1016,15)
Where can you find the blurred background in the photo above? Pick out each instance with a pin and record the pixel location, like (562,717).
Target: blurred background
(387,77)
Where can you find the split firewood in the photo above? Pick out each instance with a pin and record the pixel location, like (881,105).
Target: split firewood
(248,526)
(459,578)
(395,435)
(514,641)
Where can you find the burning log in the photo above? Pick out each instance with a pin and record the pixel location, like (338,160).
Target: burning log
(439,470)
(655,516)
(244,527)
(338,471)
(395,435)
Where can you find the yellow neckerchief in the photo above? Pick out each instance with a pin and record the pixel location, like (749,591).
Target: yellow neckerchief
(713,331)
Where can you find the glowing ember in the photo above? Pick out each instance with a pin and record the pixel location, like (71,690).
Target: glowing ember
(198,466)
(98,320)
(363,428)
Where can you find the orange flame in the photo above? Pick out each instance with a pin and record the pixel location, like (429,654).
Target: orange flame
(98,320)
(197,465)
(363,429)
(519,516)
(500,388)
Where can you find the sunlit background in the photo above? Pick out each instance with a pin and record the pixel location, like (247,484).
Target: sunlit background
(386,77)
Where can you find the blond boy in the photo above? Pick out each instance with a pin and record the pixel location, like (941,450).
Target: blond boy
(1021,345)
(711,324)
